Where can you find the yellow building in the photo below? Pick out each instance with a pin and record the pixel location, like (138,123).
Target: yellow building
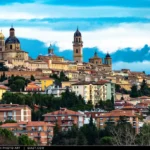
(125,84)
(45,82)
(3,89)
(65,84)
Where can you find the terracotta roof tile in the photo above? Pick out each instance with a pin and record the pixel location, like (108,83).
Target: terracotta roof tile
(63,111)
(7,125)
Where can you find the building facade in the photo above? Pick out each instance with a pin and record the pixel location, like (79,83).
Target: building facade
(39,131)
(94,91)
(15,112)
(65,118)
(114,117)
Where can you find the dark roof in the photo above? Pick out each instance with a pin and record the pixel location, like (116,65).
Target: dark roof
(12,29)
(77,33)
(11,40)
(107,56)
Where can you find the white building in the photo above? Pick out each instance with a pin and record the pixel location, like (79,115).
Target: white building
(55,90)
(94,91)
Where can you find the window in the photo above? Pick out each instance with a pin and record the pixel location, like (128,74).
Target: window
(10,46)
(76,50)
(76,39)
(79,39)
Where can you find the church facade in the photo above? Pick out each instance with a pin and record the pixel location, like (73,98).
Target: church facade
(13,56)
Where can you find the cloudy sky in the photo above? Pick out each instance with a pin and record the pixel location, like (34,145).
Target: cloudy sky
(120,27)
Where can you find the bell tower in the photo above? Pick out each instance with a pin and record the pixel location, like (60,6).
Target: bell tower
(2,42)
(77,47)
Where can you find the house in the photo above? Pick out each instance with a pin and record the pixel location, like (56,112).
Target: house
(115,115)
(15,112)
(56,90)
(32,87)
(65,118)
(94,91)
(45,82)
(3,89)
(39,131)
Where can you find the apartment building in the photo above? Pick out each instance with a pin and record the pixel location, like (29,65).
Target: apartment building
(115,115)
(39,131)
(95,91)
(15,112)
(65,118)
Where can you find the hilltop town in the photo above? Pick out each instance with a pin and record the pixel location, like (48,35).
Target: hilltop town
(42,99)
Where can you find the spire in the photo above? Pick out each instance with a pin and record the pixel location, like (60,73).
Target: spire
(95,54)
(77,28)
(12,25)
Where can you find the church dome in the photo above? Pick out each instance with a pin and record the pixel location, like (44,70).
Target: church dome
(12,29)
(12,40)
(1,36)
(77,33)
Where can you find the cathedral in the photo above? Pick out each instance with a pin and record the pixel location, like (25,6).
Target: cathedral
(13,56)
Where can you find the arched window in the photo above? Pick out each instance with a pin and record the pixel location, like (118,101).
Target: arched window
(10,46)
(79,39)
(76,50)
(76,39)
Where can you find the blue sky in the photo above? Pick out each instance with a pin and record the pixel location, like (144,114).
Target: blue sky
(121,27)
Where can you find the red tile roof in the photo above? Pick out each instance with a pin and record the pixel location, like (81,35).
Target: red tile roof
(117,113)
(64,112)
(39,123)
(7,125)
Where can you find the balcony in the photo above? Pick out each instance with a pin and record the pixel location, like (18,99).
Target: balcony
(37,136)
(67,124)
(49,136)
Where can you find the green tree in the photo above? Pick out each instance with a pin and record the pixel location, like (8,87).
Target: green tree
(112,101)
(32,78)
(106,140)
(10,121)
(56,129)
(24,140)
(117,88)
(134,91)
(143,137)
(145,91)
(81,140)
(7,137)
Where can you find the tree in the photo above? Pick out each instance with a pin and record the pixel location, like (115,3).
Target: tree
(145,91)
(117,88)
(56,129)
(32,78)
(106,140)
(122,98)
(24,140)
(123,134)
(81,140)
(144,136)
(134,91)
(112,101)
(10,121)
(7,137)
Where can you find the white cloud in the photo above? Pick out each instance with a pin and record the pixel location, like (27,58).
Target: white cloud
(37,10)
(135,66)
(106,39)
